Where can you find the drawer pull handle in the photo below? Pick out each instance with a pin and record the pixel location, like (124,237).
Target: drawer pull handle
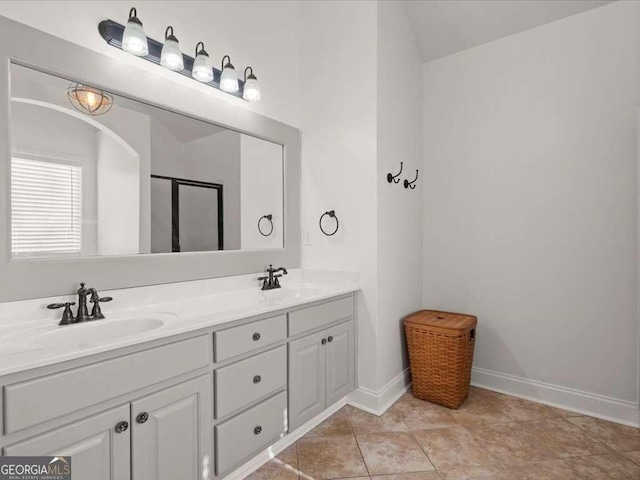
(257,430)
(122,427)
(256,336)
(324,341)
(330,339)
(257,379)
(142,418)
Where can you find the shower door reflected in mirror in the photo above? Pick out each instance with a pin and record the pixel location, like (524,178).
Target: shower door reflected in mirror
(188,216)
(131,178)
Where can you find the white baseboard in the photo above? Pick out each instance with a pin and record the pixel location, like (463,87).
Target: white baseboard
(607,408)
(286,441)
(379,402)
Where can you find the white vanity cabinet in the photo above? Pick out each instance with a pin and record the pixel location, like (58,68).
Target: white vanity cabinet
(143,415)
(98,451)
(167,431)
(170,432)
(191,407)
(321,371)
(321,364)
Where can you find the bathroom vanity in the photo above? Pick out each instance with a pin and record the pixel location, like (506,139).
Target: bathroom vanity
(194,398)
(162,197)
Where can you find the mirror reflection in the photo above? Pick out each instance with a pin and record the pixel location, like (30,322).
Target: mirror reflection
(93,173)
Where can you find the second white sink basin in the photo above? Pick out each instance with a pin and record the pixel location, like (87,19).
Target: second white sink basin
(97,331)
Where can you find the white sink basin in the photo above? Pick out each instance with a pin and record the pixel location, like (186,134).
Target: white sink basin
(98,331)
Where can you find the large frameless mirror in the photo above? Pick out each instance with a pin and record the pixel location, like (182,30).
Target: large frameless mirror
(98,174)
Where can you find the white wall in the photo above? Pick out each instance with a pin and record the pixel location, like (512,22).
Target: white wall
(263,34)
(531,205)
(339,152)
(399,210)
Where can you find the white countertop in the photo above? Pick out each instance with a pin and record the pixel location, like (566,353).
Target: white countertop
(27,341)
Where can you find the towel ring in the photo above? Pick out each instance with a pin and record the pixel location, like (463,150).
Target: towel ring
(268,217)
(332,214)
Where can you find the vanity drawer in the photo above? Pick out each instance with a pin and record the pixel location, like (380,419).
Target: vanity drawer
(320,315)
(46,398)
(238,340)
(243,382)
(250,432)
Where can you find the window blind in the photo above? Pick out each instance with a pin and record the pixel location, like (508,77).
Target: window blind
(46,208)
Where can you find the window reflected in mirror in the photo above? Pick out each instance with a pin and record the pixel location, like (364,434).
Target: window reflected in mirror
(95,173)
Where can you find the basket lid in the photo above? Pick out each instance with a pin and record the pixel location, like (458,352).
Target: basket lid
(445,322)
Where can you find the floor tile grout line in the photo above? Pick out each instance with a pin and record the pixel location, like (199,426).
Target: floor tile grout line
(362,456)
(426,454)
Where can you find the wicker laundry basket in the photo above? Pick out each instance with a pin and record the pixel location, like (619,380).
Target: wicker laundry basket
(440,353)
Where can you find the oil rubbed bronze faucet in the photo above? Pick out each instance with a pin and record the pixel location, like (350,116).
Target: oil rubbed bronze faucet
(83,312)
(272,281)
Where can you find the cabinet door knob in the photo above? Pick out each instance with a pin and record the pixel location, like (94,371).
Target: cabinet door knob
(257,379)
(122,427)
(142,417)
(330,339)
(324,341)
(257,430)
(256,336)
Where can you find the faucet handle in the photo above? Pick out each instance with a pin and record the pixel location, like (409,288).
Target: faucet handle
(101,299)
(67,315)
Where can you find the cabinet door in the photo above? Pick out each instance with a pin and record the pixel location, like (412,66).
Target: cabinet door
(340,361)
(172,432)
(98,452)
(306,379)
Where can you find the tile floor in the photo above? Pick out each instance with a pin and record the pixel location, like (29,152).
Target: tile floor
(491,437)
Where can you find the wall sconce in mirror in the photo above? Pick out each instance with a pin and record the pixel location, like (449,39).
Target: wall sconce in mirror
(89,100)
(410,184)
(251,87)
(330,214)
(202,69)
(132,39)
(264,230)
(394,178)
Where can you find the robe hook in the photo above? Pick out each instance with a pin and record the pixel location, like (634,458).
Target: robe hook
(408,184)
(392,178)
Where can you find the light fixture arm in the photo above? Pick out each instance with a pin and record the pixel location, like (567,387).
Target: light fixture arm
(133,13)
(168,35)
(201,51)
(251,75)
(228,61)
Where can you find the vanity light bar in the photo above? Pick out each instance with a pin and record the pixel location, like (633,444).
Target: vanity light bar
(112,32)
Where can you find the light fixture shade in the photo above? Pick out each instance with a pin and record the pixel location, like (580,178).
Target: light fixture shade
(89,100)
(251,89)
(134,40)
(228,77)
(171,56)
(202,70)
